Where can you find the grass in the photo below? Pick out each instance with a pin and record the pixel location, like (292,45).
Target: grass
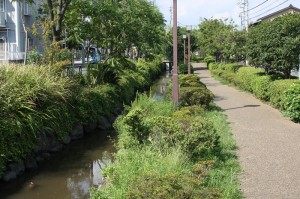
(225,174)
(132,163)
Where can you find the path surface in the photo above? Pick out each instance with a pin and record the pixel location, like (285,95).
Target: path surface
(268,143)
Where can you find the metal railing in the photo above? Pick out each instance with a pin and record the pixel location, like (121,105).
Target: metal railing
(12,55)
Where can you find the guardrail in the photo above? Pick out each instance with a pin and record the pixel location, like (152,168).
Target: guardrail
(12,55)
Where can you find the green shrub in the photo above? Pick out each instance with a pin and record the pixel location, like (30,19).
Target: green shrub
(201,140)
(233,67)
(292,102)
(134,125)
(195,96)
(165,132)
(209,59)
(33,57)
(276,92)
(190,81)
(246,76)
(260,87)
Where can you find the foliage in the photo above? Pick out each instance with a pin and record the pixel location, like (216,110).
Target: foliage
(108,24)
(201,140)
(193,91)
(209,59)
(180,47)
(273,45)
(277,92)
(221,40)
(292,102)
(270,88)
(33,99)
(168,166)
(169,186)
(33,57)
(37,99)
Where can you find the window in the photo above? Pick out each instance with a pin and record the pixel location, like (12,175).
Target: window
(2,5)
(2,49)
(26,8)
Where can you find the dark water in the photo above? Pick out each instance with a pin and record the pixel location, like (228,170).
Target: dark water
(69,174)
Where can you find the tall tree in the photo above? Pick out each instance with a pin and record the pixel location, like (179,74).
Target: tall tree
(274,45)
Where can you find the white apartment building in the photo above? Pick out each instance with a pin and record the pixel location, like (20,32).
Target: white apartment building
(12,34)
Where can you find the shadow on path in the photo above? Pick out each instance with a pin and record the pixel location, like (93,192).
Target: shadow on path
(246,106)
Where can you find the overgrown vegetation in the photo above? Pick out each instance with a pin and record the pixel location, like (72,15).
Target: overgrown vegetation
(169,153)
(272,45)
(279,92)
(38,99)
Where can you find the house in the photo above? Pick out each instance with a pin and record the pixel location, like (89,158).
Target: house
(14,15)
(289,9)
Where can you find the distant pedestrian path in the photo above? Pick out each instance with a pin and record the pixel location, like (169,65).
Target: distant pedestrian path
(268,143)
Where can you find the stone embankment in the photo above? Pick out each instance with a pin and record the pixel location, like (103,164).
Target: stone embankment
(49,144)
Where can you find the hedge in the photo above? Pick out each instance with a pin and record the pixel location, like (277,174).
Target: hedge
(280,93)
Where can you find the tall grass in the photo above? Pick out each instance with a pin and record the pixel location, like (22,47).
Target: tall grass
(32,99)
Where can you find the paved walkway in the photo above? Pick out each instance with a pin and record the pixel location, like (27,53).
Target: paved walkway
(268,143)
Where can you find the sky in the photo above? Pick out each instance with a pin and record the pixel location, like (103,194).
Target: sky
(190,12)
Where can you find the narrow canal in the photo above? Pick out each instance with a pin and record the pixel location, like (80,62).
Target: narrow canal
(71,173)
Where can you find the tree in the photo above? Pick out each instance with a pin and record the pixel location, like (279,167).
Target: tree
(180,53)
(117,25)
(221,40)
(274,45)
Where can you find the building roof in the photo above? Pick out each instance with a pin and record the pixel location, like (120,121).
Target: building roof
(279,12)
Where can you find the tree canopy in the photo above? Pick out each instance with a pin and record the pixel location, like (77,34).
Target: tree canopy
(221,40)
(274,45)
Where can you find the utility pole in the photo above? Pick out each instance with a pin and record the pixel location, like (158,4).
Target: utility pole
(244,14)
(175,90)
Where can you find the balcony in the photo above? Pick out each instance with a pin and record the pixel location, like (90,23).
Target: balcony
(2,19)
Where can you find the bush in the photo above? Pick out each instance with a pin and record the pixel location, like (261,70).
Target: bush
(190,81)
(166,132)
(276,92)
(245,77)
(201,140)
(209,59)
(260,87)
(292,102)
(195,96)
(33,57)
(134,125)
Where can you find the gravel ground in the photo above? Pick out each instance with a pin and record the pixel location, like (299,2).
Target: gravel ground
(268,143)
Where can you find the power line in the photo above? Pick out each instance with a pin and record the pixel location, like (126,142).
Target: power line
(268,6)
(258,5)
(269,10)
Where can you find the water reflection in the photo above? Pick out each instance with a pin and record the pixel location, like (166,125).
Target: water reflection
(70,174)
(80,183)
(161,86)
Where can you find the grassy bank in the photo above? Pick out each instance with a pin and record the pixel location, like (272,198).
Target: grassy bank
(170,153)
(38,99)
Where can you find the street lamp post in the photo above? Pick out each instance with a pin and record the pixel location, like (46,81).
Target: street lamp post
(184,38)
(189,29)
(175,91)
